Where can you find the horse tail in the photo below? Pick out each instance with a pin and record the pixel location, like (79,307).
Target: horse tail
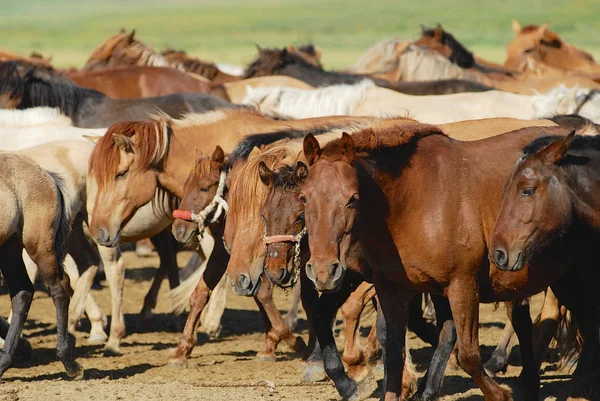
(179,297)
(63,220)
(570,342)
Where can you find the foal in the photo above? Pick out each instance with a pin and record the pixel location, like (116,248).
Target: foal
(34,216)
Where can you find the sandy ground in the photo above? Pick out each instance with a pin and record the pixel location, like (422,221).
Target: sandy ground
(223,369)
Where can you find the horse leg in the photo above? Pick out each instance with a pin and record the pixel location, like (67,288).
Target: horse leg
(215,269)
(372,346)
(430,385)
(163,242)
(546,327)
(144,247)
(314,370)
(498,362)
(351,311)
(21,294)
(277,330)
(518,313)
(24,350)
(291,317)
(210,319)
(464,303)
(115,275)
(192,265)
(417,323)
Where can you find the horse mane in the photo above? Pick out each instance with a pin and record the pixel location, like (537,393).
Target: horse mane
(379,58)
(293,103)
(103,51)
(179,59)
(460,55)
(33,86)
(151,143)
(580,143)
(33,117)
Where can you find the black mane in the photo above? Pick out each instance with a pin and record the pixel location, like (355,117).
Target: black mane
(245,146)
(580,143)
(285,178)
(34,86)
(460,55)
(282,62)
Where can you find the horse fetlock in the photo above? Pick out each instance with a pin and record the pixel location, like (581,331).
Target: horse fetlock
(178,358)
(299,346)
(266,356)
(112,348)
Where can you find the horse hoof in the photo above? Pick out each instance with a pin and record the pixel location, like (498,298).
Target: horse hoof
(300,348)
(178,363)
(111,351)
(314,372)
(74,370)
(266,356)
(214,334)
(367,384)
(24,351)
(97,338)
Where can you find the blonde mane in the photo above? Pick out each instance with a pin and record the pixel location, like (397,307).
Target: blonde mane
(33,117)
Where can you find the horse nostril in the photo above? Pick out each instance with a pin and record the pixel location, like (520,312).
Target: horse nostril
(336,270)
(282,273)
(309,272)
(180,231)
(244,281)
(501,257)
(103,234)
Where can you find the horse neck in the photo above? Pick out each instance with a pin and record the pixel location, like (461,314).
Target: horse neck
(317,77)
(586,203)
(66,96)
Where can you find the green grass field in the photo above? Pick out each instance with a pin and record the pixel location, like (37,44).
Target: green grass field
(227,30)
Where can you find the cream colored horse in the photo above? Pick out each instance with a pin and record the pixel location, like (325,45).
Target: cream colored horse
(35,217)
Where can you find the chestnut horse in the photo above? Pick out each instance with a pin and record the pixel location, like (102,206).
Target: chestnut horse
(157,154)
(35,217)
(377,203)
(29,86)
(130,82)
(550,195)
(545,46)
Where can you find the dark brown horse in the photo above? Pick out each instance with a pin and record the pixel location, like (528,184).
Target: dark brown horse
(552,194)
(30,86)
(370,187)
(284,62)
(129,82)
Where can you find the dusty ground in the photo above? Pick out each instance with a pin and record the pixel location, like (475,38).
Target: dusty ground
(223,369)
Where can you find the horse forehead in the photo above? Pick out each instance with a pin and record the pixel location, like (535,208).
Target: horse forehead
(528,173)
(336,177)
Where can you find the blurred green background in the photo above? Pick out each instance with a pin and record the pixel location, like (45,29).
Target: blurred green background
(227,30)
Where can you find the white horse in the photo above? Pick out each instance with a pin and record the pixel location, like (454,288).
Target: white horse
(563,100)
(363,99)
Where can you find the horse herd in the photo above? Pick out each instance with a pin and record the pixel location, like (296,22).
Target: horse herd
(421,170)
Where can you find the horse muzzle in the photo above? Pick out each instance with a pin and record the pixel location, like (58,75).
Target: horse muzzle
(506,260)
(327,277)
(245,286)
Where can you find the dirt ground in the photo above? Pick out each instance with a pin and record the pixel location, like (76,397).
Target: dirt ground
(223,369)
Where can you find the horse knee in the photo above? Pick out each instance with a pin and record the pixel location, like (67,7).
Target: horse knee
(470,361)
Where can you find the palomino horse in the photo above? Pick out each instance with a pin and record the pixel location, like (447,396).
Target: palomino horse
(284,62)
(30,86)
(130,82)
(365,99)
(545,46)
(133,159)
(370,166)
(34,217)
(549,195)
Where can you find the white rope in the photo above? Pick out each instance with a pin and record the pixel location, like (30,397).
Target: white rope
(218,205)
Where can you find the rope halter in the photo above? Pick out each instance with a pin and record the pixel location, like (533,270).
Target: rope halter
(218,205)
(294,239)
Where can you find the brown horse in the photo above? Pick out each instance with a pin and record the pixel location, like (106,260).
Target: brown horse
(130,82)
(550,195)
(35,217)
(374,176)
(545,46)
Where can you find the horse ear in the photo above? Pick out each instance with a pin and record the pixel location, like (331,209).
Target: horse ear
(218,156)
(516,27)
(348,146)
(124,143)
(543,28)
(438,32)
(131,35)
(318,52)
(292,48)
(423,29)
(265,173)
(301,172)
(557,150)
(92,138)
(122,30)
(312,150)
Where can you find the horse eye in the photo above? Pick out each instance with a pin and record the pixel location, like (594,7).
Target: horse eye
(527,51)
(302,199)
(120,175)
(528,191)
(300,217)
(204,189)
(353,200)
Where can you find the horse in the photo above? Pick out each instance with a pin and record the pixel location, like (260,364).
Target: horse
(132,81)
(283,62)
(364,99)
(146,156)
(35,218)
(563,100)
(31,86)
(548,197)
(34,58)
(370,166)
(236,91)
(545,46)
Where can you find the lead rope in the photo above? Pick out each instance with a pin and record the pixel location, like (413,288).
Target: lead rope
(218,202)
